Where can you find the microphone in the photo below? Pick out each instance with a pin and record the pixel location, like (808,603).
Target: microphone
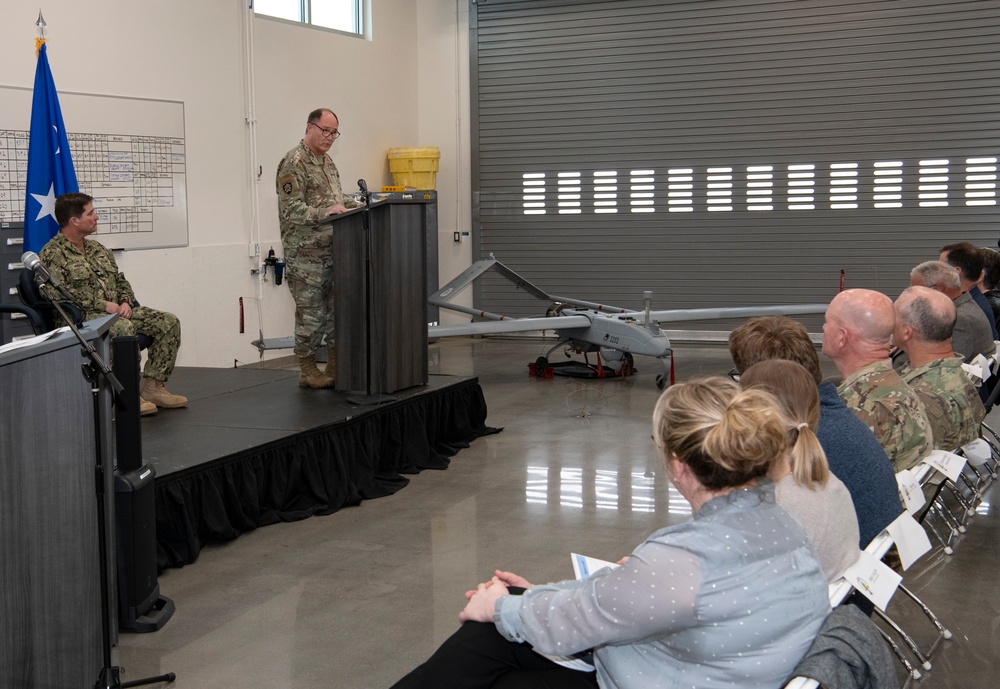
(31,261)
(34,264)
(363,186)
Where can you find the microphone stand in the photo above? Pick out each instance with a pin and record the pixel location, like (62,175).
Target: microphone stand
(96,365)
(110,677)
(370,397)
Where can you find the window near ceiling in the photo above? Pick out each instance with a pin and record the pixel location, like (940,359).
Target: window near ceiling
(932,183)
(340,15)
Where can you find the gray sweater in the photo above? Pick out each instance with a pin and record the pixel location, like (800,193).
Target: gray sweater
(827,515)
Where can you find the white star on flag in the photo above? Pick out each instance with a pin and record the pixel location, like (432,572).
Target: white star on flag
(48,203)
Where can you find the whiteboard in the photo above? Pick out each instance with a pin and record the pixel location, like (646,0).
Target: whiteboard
(129,154)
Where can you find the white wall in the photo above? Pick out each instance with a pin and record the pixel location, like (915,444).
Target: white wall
(397,89)
(443,35)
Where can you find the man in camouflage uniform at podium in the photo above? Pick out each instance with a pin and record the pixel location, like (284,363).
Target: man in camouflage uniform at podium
(87,269)
(309,190)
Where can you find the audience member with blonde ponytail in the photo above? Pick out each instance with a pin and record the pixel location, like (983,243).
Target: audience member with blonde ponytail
(804,486)
(731,598)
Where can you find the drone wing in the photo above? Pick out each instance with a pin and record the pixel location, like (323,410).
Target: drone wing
(509,325)
(681,315)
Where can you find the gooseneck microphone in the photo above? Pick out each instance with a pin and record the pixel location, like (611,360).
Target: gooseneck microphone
(34,264)
(31,261)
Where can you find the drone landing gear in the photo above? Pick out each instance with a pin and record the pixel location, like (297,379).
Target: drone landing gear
(543,368)
(667,377)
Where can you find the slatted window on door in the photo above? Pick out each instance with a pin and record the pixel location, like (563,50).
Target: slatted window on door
(729,152)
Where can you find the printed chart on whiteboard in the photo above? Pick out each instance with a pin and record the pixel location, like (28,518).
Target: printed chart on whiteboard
(129,154)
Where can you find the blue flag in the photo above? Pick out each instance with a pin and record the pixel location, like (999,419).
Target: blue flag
(50,166)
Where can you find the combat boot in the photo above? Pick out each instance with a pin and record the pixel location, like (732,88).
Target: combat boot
(146,408)
(331,363)
(153,391)
(310,376)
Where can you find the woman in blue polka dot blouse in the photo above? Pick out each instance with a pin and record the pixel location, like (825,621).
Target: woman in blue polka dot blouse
(731,598)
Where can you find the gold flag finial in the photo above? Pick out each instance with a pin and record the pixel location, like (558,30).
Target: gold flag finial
(40,39)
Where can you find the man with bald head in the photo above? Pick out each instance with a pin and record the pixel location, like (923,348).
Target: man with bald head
(856,336)
(925,319)
(972,334)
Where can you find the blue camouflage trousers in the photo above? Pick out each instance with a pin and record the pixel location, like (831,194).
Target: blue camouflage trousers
(164,328)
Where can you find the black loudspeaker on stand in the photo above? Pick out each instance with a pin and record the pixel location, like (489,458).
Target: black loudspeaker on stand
(141,608)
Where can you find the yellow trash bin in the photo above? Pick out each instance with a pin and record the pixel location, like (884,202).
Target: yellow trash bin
(415,166)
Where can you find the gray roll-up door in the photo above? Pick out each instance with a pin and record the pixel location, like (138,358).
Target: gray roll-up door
(729,152)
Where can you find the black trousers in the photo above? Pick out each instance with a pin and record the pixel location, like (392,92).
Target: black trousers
(478,657)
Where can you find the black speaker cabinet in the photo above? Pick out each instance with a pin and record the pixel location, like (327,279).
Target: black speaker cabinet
(128,430)
(141,608)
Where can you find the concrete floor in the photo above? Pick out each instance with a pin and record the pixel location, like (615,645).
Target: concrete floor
(356,599)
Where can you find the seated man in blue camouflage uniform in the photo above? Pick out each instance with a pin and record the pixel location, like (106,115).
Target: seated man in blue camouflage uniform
(89,272)
(925,319)
(856,334)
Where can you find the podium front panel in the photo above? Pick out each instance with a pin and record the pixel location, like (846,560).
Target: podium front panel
(50,605)
(381,308)
(350,300)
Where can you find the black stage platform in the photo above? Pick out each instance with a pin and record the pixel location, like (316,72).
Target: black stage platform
(254,448)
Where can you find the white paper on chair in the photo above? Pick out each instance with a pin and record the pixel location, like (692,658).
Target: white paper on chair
(584,566)
(978,452)
(978,369)
(874,580)
(910,539)
(984,364)
(948,463)
(909,491)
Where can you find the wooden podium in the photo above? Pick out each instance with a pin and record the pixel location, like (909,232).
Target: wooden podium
(50,585)
(380,303)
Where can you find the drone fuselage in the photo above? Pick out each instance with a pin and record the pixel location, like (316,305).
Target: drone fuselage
(629,336)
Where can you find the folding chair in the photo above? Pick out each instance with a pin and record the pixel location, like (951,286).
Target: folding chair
(923,473)
(935,507)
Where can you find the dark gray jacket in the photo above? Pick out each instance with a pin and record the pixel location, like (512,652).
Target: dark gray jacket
(849,653)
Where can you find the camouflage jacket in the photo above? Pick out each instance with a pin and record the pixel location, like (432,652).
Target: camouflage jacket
(894,412)
(951,400)
(91,275)
(307,184)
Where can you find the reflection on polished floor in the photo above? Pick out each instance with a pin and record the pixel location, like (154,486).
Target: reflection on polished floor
(355,599)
